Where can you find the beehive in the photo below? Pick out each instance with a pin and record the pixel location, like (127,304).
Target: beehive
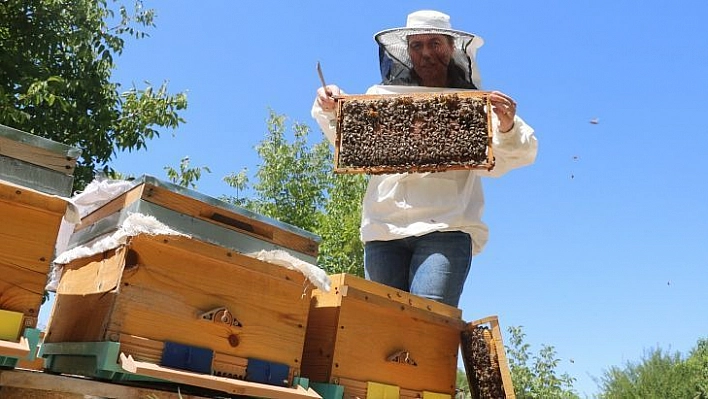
(421,132)
(37,163)
(34,172)
(484,358)
(363,333)
(199,291)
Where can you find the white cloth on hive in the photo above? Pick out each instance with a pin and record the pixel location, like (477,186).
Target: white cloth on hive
(135,224)
(96,194)
(282,258)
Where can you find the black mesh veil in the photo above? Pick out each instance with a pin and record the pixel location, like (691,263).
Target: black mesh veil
(397,68)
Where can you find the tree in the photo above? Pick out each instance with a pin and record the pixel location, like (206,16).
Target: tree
(293,178)
(538,379)
(660,374)
(239,182)
(342,250)
(296,185)
(462,386)
(56,62)
(186,176)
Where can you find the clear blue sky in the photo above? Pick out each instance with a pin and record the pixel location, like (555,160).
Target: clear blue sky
(599,249)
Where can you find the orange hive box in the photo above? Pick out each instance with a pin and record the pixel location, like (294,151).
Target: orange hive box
(35,173)
(364,335)
(201,288)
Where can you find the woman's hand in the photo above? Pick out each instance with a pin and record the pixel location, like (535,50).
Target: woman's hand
(325,98)
(505,109)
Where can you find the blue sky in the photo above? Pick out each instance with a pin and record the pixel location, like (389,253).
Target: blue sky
(599,249)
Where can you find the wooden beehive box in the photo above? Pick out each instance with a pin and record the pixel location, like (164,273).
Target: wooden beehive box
(28,234)
(484,357)
(33,172)
(363,333)
(420,132)
(202,291)
(35,162)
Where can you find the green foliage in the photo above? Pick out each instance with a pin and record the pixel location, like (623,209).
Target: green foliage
(186,176)
(296,185)
(535,376)
(56,61)
(293,178)
(341,249)
(660,374)
(462,386)
(697,369)
(239,182)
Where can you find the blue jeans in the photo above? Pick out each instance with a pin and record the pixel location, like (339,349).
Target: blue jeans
(432,266)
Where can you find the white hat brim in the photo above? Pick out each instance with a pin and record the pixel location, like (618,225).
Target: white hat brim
(397,36)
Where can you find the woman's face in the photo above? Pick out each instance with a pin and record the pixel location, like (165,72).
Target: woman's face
(431,54)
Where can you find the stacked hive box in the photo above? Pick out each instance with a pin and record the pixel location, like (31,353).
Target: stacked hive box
(34,174)
(196,299)
(374,340)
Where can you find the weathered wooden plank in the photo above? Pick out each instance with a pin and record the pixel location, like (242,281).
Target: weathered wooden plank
(97,274)
(150,351)
(25,384)
(222,384)
(38,150)
(346,282)
(79,318)
(25,196)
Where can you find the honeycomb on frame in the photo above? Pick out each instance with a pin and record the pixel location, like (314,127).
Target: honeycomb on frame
(486,366)
(418,132)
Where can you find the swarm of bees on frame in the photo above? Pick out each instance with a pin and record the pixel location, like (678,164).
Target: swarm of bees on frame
(484,378)
(407,133)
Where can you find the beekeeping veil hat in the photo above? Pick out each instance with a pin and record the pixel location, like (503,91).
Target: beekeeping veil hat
(395,62)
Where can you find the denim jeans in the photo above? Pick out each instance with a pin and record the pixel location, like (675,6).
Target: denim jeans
(432,266)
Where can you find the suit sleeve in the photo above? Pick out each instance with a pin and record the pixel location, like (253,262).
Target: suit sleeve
(514,149)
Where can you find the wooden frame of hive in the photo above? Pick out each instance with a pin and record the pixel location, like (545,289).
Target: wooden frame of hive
(364,332)
(412,135)
(497,354)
